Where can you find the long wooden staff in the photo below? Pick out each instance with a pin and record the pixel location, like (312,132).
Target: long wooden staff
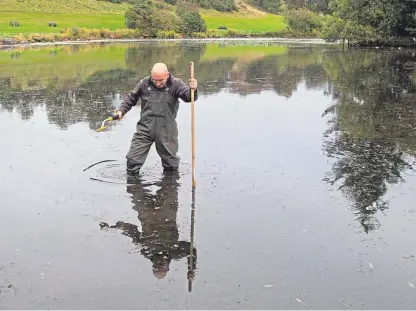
(191,65)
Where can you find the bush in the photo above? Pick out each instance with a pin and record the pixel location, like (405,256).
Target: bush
(168,34)
(212,33)
(183,7)
(95,33)
(232,33)
(79,33)
(335,28)
(167,21)
(273,34)
(19,38)
(219,5)
(140,16)
(274,6)
(114,1)
(74,31)
(332,29)
(171,2)
(199,35)
(193,22)
(303,21)
(163,6)
(105,33)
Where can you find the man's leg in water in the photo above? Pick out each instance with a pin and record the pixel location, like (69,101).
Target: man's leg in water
(139,149)
(166,140)
(167,147)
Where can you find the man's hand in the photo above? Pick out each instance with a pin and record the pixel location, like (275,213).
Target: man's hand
(119,113)
(193,84)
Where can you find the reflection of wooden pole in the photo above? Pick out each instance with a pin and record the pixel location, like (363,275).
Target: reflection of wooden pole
(193,126)
(191,273)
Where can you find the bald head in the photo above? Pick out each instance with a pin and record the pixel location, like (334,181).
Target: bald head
(160,74)
(160,68)
(160,274)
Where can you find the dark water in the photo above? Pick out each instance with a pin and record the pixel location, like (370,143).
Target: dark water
(305,180)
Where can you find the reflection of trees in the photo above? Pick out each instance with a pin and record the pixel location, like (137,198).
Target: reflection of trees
(86,94)
(365,167)
(92,100)
(211,76)
(12,98)
(372,128)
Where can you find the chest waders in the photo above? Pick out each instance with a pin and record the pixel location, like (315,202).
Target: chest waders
(157,124)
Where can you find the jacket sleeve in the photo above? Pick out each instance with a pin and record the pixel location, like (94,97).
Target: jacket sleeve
(183,91)
(131,98)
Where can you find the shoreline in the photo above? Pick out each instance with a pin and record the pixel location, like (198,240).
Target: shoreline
(265,39)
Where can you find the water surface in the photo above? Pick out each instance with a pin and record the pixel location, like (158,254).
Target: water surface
(305,160)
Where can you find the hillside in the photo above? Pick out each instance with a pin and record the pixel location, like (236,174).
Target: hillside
(34,16)
(93,7)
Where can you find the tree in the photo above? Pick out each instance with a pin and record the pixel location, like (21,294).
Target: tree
(272,6)
(193,22)
(303,20)
(408,21)
(141,16)
(384,17)
(319,6)
(333,28)
(219,5)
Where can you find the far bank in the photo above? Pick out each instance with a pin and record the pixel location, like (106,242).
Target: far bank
(8,43)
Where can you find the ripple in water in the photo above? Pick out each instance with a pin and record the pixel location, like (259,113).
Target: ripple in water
(115,172)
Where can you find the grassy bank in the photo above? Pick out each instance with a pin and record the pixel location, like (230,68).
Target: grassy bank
(257,24)
(37,23)
(34,16)
(85,34)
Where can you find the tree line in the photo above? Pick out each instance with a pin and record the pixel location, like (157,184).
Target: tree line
(358,21)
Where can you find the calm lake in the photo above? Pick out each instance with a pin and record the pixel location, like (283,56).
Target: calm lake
(305,195)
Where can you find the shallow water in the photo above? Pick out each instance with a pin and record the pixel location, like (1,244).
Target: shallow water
(305,177)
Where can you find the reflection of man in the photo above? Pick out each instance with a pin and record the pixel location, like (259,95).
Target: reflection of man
(157,214)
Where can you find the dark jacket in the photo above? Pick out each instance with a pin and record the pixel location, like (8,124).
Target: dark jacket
(177,88)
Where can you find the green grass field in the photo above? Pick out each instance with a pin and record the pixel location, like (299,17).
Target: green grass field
(34,15)
(38,22)
(258,24)
(63,6)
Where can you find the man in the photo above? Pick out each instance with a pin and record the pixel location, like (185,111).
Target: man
(159,95)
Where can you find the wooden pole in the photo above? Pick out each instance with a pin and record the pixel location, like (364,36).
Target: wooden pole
(191,65)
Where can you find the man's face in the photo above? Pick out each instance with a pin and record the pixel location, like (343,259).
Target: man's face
(159,78)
